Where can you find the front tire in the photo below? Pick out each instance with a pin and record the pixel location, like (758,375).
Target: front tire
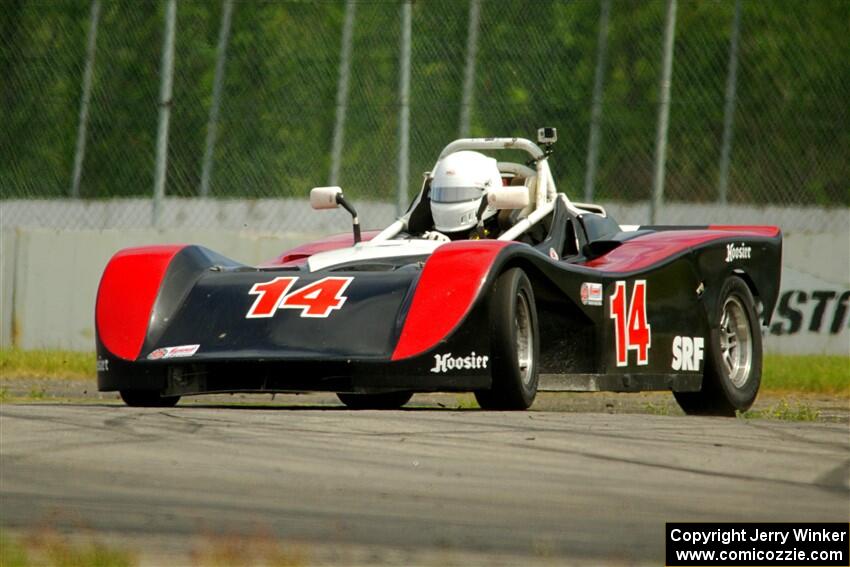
(388,400)
(733,366)
(148,399)
(514,344)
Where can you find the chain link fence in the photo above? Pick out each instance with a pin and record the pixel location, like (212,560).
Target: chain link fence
(264,92)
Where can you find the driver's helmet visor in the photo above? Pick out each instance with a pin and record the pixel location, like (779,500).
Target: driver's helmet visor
(455,194)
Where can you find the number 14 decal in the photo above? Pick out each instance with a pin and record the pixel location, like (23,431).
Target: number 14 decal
(632,333)
(316,299)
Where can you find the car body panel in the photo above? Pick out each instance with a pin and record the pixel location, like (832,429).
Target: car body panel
(398,323)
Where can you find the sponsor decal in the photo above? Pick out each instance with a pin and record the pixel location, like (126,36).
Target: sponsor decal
(632,332)
(742,252)
(591,293)
(687,353)
(103,365)
(445,362)
(157,354)
(181,351)
(317,299)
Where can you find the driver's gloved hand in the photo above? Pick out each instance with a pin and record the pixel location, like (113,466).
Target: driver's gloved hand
(434,235)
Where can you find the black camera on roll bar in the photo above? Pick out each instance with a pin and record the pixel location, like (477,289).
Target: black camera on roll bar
(547,135)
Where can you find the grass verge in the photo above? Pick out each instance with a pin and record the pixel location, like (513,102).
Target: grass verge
(817,374)
(50,548)
(784,411)
(47,547)
(16,363)
(814,374)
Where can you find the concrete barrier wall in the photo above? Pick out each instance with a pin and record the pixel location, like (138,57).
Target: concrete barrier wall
(49,277)
(49,292)
(295,215)
(257,215)
(813,313)
(8,249)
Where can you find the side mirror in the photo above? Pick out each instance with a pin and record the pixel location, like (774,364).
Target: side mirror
(508,198)
(325,197)
(331,198)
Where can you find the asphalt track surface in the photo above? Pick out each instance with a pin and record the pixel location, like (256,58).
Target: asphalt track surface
(472,486)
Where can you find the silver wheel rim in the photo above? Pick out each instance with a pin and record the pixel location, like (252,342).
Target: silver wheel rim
(736,342)
(524,338)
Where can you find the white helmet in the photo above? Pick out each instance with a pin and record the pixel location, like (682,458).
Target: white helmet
(460,181)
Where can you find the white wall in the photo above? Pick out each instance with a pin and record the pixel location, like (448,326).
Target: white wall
(813,314)
(295,215)
(7,262)
(49,294)
(49,277)
(257,215)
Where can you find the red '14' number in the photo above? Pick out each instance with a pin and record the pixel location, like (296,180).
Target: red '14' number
(317,299)
(632,333)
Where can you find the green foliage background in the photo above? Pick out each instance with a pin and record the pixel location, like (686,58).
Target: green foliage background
(535,66)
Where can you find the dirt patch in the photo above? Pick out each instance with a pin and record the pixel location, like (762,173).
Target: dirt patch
(776,405)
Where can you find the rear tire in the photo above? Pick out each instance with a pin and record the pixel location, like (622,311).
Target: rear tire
(732,373)
(514,344)
(148,399)
(388,400)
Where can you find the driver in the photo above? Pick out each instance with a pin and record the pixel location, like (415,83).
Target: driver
(459,196)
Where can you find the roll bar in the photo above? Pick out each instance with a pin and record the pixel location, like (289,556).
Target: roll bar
(493,144)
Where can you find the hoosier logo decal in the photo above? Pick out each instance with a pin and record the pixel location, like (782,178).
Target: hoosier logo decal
(445,362)
(741,252)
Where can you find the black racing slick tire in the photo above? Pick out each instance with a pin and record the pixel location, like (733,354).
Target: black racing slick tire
(388,400)
(148,399)
(514,344)
(733,365)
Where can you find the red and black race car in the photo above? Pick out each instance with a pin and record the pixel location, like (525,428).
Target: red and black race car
(542,293)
